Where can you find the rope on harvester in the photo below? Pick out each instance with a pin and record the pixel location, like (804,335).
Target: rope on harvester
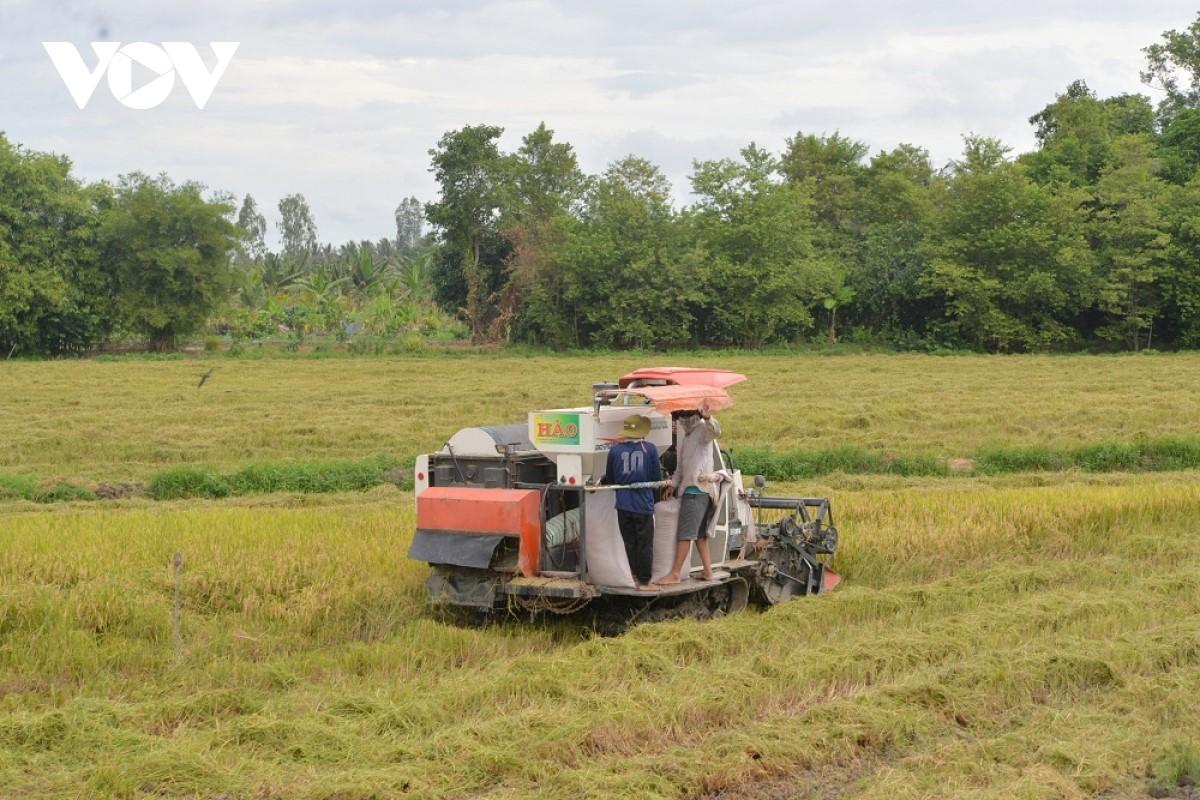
(554,605)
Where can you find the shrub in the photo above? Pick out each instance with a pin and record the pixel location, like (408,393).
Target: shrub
(999,460)
(16,487)
(412,343)
(180,482)
(61,492)
(368,345)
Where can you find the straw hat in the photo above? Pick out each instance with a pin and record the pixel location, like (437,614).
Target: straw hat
(636,427)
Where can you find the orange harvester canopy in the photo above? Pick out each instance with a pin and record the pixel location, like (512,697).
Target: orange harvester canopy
(684,398)
(684,376)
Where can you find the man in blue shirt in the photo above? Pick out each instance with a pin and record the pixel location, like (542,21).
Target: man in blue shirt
(633,460)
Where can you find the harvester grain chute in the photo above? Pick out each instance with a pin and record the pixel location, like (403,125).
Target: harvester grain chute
(515,517)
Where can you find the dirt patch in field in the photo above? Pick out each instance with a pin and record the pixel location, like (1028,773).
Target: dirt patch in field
(1186,791)
(819,783)
(119,491)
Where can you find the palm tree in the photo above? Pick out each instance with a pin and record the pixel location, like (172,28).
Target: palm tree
(367,272)
(319,288)
(415,275)
(277,273)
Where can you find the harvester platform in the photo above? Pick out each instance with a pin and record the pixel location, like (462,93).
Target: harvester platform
(685,586)
(567,588)
(573,588)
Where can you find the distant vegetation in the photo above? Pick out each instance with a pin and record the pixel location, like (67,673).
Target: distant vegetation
(1087,242)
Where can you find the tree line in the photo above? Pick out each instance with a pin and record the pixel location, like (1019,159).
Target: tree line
(148,259)
(1089,241)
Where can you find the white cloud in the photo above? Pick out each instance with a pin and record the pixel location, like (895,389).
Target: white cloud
(342,101)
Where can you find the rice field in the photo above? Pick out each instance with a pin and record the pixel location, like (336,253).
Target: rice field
(1027,636)
(123,420)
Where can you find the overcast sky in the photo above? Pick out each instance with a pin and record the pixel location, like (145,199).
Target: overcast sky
(342,100)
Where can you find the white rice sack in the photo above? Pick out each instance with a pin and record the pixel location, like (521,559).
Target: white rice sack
(563,528)
(666,520)
(607,564)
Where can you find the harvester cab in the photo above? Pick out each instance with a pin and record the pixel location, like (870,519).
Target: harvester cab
(514,517)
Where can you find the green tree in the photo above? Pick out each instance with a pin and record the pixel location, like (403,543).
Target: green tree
(254,229)
(1173,66)
(1132,240)
(763,274)
(1179,147)
(896,209)
(414,277)
(831,170)
(473,177)
(169,249)
(840,296)
(546,179)
(410,223)
(297,228)
(1010,266)
(547,186)
(323,301)
(626,278)
(365,272)
(55,291)
(1076,132)
(1180,283)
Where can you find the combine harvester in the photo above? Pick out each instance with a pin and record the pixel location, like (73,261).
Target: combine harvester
(514,517)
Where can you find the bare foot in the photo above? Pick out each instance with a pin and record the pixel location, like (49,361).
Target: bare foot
(705,576)
(669,579)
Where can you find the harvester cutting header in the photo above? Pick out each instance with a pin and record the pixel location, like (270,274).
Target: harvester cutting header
(524,516)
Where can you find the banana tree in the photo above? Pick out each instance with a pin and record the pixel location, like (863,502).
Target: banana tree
(323,296)
(841,296)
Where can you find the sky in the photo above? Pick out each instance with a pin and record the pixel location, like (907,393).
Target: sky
(341,101)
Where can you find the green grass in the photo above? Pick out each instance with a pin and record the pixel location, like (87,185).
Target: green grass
(1179,765)
(20,487)
(1164,455)
(1145,455)
(263,478)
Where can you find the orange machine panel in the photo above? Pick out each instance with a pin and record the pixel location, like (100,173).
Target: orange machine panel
(511,512)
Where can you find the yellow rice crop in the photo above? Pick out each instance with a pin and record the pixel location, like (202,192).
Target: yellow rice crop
(1012,636)
(990,641)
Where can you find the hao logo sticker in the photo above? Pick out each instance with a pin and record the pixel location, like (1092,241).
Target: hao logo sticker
(556,428)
